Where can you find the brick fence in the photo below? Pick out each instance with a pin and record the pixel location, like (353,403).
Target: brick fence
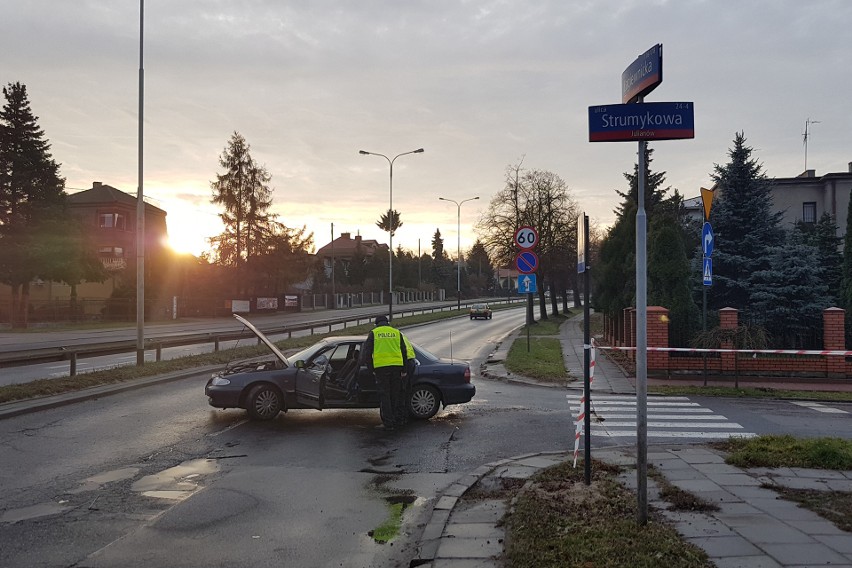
(621,332)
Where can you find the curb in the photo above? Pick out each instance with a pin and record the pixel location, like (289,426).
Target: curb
(18,408)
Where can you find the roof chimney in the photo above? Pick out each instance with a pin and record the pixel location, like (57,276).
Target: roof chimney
(96,184)
(346,236)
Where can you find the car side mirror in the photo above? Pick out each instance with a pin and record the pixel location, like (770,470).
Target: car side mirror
(300,364)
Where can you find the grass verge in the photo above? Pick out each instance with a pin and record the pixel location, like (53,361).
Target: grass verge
(788,451)
(835,506)
(559,521)
(752,393)
(543,361)
(679,499)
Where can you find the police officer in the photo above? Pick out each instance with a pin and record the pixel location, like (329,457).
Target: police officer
(386,354)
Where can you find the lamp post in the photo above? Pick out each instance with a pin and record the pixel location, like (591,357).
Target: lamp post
(458,241)
(390,222)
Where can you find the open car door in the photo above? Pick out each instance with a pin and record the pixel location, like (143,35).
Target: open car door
(310,381)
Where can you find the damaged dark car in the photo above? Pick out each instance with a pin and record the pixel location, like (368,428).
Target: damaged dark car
(330,374)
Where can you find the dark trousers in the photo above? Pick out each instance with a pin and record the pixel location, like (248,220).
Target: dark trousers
(390,386)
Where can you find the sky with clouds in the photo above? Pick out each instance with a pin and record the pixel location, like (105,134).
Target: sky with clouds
(479,84)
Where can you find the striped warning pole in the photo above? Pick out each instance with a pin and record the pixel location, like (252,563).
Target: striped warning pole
(578,430)
(592,360)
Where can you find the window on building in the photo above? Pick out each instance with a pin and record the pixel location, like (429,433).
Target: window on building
(105,250)
(112,220)
(118,251)
(809,212)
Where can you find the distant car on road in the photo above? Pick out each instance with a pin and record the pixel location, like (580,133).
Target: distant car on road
(480,311)
(329,374)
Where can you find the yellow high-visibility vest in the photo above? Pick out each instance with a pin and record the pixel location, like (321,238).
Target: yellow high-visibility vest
(386,349)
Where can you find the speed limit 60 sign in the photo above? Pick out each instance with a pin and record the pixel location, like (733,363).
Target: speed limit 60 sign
(526,238)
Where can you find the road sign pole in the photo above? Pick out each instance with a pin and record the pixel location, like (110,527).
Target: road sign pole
(587,358)
(641,343)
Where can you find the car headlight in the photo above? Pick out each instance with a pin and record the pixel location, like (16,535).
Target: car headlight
(220,382)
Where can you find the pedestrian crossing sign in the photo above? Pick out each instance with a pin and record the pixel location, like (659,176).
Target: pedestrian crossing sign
(708,271)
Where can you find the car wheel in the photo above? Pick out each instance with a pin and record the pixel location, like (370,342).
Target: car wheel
(425,402)
(264,402)
(471,317)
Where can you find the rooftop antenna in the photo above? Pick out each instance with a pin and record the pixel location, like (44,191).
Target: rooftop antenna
(807,135)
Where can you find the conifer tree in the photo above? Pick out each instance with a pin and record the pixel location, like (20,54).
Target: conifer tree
(243,190)
(31,195)
(744,226)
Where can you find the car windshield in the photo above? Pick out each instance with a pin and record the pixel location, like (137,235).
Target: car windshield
(308,352)
(479,307)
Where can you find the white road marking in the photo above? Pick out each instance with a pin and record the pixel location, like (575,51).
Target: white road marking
(675,417)
(819,407)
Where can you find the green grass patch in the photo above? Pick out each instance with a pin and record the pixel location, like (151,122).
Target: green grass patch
(559,521)
(543,361)
(788,451)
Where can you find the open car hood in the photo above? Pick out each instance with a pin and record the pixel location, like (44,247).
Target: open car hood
(272,347)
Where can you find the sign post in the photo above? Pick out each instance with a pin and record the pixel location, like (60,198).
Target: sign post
(582,267)
(641,122)
(526,238)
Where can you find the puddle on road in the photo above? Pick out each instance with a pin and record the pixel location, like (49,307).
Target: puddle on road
(175,483)
(32,512)
(389,530)
(96,481)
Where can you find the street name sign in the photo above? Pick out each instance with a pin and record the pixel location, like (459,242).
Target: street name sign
(646,121)
(526,262)
(643,75)
(527,284)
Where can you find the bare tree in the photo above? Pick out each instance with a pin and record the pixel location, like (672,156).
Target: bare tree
(539,199)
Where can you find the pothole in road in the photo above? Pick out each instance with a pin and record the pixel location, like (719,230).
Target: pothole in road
(176,483)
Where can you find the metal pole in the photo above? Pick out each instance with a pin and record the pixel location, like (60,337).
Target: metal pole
(140,207)
(587,359)
(390,222)
(333,297)
(458,255)
(641,344)
(458,242)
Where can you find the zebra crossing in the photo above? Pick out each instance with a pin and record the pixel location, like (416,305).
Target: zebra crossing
(614,416)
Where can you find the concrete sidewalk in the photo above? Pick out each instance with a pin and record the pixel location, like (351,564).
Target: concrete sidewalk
(753,528)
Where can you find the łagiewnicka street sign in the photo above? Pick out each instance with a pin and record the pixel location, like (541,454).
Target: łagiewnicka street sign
(643,75)
(647,121)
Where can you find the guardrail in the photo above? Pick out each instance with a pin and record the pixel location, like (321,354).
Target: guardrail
(53,354)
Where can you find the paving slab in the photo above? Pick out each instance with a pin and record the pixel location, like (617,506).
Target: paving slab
(723,546)
(772,533)
(808,554)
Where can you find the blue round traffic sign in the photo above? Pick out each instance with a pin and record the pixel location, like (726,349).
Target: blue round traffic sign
(526,262)
(707,239)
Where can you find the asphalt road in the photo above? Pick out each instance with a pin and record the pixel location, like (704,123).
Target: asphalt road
(95,484)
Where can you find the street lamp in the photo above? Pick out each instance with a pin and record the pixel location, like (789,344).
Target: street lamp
(390,223)
(458,241)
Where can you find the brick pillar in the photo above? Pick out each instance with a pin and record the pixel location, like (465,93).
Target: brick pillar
(834,339)
(728,319)
(658,336)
